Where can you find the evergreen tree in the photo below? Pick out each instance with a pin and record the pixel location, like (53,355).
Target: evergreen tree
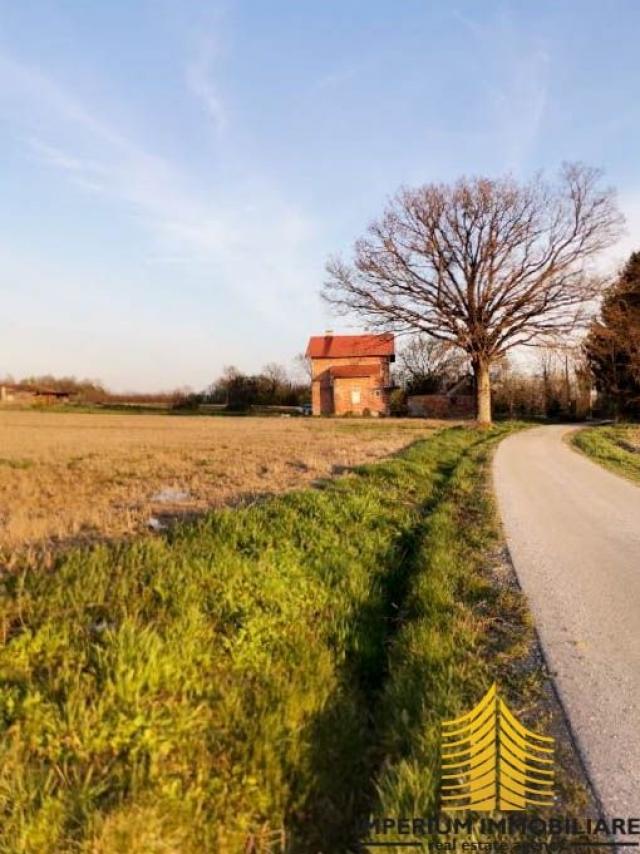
(612,346)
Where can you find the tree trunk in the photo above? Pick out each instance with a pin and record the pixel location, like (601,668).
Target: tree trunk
(483,391)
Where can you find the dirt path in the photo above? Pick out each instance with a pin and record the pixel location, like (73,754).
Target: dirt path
(573,530)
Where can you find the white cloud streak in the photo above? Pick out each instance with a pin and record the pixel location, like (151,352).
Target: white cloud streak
(253,241)
(200,84)
(518,102)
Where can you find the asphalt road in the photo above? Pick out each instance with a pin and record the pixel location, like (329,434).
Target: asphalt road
(573,531)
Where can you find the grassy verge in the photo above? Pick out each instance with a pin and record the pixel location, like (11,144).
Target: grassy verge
(262,679)
(617,448)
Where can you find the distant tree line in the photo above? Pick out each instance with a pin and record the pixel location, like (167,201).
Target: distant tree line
(89,390)
(555,384)
(273,386)
(93,391)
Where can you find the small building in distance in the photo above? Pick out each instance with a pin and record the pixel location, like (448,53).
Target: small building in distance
(350,374)
(18,394)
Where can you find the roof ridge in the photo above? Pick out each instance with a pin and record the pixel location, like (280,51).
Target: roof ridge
(362,344)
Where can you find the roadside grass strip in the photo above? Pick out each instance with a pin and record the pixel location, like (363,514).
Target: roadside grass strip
(612,447)
(261,679)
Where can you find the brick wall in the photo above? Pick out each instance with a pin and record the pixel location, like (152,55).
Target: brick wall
(336,399)
(347,391)
(321,398)
(441,406)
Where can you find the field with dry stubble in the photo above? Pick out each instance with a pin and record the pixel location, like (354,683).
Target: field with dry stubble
(84,475)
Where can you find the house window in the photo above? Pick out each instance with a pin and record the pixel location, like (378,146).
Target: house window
(377,392)
(355,396)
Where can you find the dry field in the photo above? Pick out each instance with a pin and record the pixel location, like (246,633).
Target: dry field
(81,476)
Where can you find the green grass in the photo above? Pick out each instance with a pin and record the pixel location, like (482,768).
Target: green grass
(264,677)
(611,447)
(16,464)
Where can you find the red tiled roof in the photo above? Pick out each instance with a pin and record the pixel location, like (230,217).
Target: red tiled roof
(344,371)
(341,346)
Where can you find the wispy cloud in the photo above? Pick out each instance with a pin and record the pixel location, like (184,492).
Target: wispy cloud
(87,174)
(520,105)
(199,78)
(252,240)
(516,86)
(337,78)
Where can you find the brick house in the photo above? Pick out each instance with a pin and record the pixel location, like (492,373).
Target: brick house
(350,373)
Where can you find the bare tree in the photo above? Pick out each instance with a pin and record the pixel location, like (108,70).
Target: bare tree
(302,367)
(554,374)
(424,361)
(484,264)
(275,374)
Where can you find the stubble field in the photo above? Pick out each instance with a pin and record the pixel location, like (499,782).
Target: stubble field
(85,476)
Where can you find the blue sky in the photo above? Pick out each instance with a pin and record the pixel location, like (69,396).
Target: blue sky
(175,173)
